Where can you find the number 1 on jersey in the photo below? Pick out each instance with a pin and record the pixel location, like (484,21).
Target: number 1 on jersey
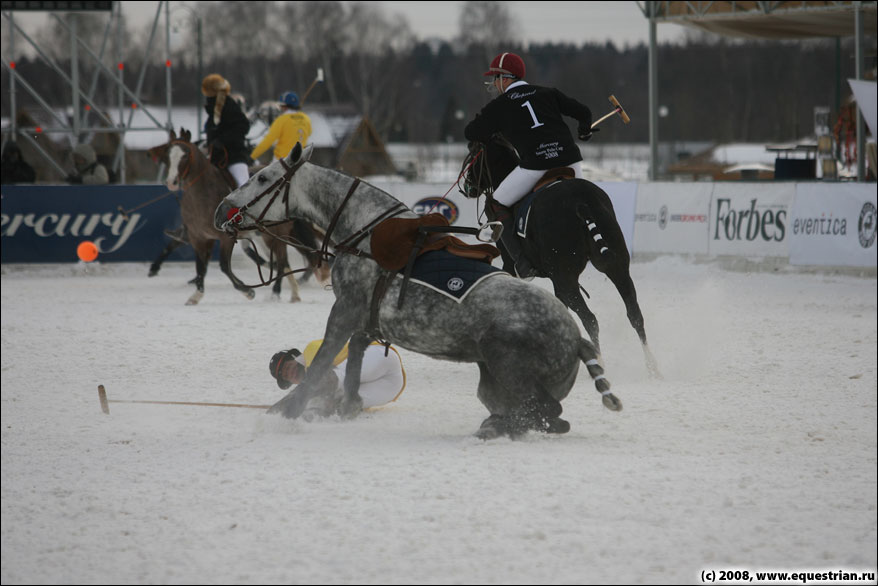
(530,109)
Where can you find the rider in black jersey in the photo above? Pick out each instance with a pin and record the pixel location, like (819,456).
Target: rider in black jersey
(530,117)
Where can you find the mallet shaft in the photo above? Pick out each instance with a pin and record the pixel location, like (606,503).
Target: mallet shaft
(105,407)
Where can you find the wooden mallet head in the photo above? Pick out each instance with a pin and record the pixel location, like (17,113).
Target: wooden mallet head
(617,109)
(620,110)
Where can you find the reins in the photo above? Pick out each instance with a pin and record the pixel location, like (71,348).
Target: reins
(348,245)
(182,175)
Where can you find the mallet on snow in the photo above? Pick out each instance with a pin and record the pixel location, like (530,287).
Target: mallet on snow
(617,110)
(105,403)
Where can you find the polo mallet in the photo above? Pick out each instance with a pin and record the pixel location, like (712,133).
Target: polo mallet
(617,110)
(105,403)
(317,80)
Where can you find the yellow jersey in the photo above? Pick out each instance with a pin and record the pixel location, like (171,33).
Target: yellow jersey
(286,130)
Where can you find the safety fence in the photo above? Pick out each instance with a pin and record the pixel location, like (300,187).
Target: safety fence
(804,224)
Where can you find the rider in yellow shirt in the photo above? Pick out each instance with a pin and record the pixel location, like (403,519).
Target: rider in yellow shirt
(287,129)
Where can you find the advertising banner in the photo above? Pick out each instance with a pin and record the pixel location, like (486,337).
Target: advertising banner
(624,198)
(750,219)
(427,198)
(46,223)
(833,225)
(672,218)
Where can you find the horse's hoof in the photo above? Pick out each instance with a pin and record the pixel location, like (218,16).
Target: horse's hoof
(291,406)
(349,409)
(250,294)
(492,428)
(295,299)
(195,298)
(558,425)
(611,402)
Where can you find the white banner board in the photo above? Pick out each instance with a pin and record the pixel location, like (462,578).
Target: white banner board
(833,224)
(750,219)
(624,198)
(672,218)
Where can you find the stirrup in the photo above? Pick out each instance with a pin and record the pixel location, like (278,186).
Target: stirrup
(490,232)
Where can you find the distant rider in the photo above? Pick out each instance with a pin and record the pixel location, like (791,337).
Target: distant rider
(227,127)
(290,127)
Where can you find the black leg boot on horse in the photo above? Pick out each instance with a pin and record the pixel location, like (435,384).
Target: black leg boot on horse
(510,240)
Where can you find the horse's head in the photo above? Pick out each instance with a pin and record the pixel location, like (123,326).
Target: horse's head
(183,158)
(265,198)
(487,165)
(176,155)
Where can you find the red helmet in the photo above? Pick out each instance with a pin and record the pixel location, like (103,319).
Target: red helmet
(507,64)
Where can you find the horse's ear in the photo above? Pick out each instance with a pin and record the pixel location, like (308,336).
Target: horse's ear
(185,135)
(172,135)
(306,153)
(295,154)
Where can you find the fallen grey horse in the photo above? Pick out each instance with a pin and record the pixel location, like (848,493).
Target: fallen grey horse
(526,344)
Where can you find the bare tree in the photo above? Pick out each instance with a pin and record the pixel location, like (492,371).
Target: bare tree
(316,31)
(489,24)
(243,30)
(377,49)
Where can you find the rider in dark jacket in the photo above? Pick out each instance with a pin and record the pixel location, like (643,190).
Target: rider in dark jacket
(227,127)
(530,117)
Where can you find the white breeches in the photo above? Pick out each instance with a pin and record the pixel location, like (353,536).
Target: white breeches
(381,378)
(521,181)
(240,172)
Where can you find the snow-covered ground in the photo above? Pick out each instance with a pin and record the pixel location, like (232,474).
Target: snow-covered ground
(756,451)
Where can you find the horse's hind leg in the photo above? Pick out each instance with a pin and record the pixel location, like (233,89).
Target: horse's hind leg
(567,290)
(156,265)
(283,266)
(540,412)
(202,257)
(625,285)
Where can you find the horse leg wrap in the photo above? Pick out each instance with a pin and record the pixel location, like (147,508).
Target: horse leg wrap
(595,233)
(597,373)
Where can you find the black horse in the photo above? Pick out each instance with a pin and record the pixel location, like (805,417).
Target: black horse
(570,222)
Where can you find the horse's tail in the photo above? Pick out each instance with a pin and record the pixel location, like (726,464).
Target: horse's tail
(594,231)
(589,355)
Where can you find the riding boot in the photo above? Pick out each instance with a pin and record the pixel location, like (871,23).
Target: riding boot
(510,240)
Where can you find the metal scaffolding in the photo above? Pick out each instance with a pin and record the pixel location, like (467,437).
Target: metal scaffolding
(777,20)
(110,67)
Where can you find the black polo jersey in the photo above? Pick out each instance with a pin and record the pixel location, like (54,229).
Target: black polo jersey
(530,117)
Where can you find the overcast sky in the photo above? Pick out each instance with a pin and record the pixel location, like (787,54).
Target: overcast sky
(573,22)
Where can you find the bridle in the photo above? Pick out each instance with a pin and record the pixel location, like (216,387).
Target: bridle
(184,173)
(473,170)
(281,188)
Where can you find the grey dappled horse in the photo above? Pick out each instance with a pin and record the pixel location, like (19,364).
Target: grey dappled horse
(526,344)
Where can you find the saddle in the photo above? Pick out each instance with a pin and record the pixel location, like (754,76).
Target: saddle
(521,210)
(552,175)
(396,241)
